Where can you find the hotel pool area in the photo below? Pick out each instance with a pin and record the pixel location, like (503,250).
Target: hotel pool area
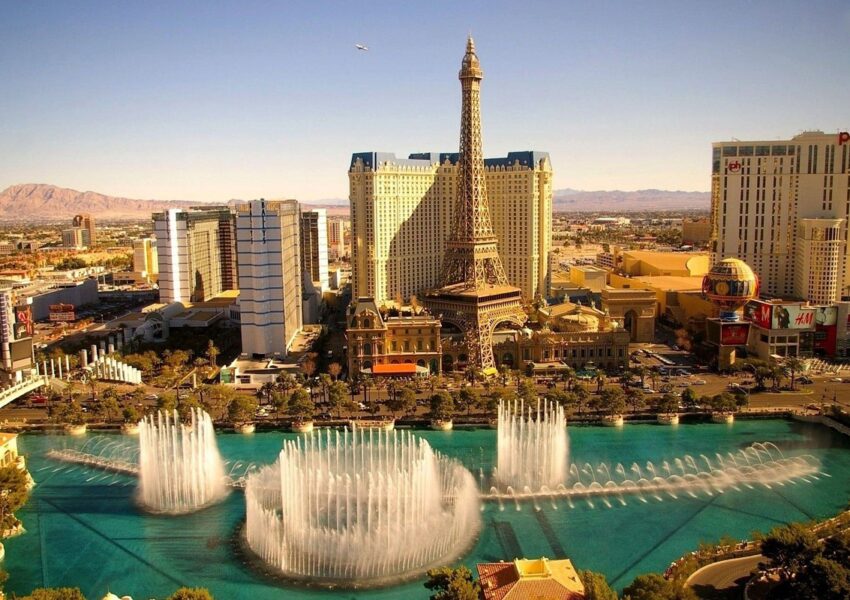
(84,527)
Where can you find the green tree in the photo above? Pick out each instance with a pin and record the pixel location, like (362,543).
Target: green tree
(167,402)
(131,414)
(723,402)
(338,397)
(242,410)
(55,594)
(582,397)
(596,586)
(186,405)
(654,587)
(13,494)
(689,398)
(668,404)
(452,584)
(301,406)
(404,401)
(789,549)
(611,400)
(526,389)
(467,398)
(442,406)
(635,398)
(108,408)
(185,593)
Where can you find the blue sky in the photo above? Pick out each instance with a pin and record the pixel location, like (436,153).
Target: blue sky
(213,100)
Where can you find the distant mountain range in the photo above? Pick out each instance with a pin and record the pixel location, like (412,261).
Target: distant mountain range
(569,200)
(42,202)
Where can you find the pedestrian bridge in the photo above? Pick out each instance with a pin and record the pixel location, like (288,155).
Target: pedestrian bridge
(13,392)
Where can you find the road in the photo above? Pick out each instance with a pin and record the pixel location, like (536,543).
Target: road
(721,578)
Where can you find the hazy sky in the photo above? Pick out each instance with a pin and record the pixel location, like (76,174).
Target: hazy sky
(212,100)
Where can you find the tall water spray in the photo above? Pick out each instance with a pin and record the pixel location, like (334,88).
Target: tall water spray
(532,446)
(360,508)
(180,469)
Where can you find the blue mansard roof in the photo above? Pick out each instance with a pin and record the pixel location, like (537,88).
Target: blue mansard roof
(527,158)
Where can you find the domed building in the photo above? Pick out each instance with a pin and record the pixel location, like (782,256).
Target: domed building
(730,284)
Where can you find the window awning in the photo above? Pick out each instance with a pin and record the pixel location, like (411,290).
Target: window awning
(403,369)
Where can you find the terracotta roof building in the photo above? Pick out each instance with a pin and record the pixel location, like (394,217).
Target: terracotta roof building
(534,579)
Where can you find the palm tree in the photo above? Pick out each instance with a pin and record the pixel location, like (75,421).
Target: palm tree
(568,376)
(794,365)
(212,353)
(334,369)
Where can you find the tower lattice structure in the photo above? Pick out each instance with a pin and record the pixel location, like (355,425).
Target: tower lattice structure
(475,293)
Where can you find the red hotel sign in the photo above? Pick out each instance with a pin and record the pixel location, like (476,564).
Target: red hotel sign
(843,138)
(734,166)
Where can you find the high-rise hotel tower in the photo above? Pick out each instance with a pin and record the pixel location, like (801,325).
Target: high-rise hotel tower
(402,212)
(783,207)
(267,242)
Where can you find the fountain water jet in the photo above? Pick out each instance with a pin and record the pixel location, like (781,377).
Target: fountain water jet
(532,446)
(180,469)
(364,508)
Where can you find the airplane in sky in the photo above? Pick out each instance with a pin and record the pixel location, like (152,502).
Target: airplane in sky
(361,47)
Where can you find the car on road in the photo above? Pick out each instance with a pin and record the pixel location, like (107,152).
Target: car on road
(648,390)
(837,379)
(699,382)
(805,380)
(361,405)
(813,406)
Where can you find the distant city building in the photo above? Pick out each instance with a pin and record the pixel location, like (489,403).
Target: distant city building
(195,253)
(338,232)
(314,246)
(696,232)
(267,243)
(75,238)
(402,212)
(86,222)
(784,208)
(145,260)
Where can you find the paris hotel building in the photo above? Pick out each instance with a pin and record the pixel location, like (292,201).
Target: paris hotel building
(402,214)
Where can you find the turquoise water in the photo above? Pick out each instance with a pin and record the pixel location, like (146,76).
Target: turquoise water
(84,529)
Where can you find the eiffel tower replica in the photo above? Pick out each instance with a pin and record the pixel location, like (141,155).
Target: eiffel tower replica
(475,294)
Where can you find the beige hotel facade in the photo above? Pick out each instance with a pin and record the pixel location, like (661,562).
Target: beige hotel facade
(402,211)
(783,207)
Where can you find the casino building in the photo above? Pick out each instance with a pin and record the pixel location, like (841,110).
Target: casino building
(783,207)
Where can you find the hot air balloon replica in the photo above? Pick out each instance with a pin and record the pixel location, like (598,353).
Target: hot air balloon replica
(730,284)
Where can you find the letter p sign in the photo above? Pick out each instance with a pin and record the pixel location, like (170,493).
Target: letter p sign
(843,138)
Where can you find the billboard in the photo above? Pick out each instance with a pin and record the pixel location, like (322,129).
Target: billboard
(758,312)
(23,321)
(21,354)
(826,316)
(62,312)
(793,316)
(734,334)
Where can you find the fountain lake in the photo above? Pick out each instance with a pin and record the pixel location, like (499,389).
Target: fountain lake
(86,528)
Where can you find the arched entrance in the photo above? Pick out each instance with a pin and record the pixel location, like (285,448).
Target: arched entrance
(630,324)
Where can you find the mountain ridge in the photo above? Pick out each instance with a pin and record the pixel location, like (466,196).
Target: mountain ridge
(46,202)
